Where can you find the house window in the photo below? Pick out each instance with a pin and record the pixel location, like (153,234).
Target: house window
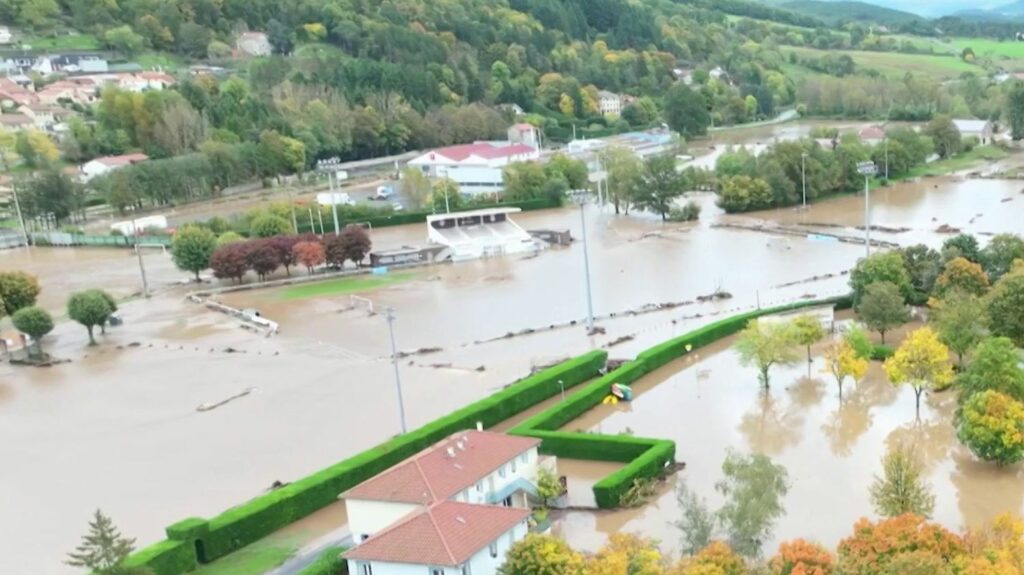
(466,570)
(493,548)
(367,569)
(507,502)
(479,486)
(436,571)
(513,466)
(501,471)
(524,457)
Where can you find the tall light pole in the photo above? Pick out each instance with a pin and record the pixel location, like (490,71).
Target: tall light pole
(867,169)
(329,166)
(389,314)
(803,176)
(17,208)
(580,197)
(138,253)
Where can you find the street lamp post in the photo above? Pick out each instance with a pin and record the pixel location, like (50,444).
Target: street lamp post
(886,141)
(329,166)
(138,254)
(389,314)
(580,197)
(803,176)
(17,208)
(867,169)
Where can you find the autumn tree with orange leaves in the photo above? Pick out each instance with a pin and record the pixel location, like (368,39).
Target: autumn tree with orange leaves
(874,547)
(800,557)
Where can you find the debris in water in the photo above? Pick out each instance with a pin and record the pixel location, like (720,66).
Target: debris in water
(947,229)
(210,406)
(620,340)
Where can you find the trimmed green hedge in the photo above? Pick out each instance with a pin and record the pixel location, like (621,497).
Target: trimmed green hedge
(328,563)
(165,558)
(644,457)
(403,218)
(257,518)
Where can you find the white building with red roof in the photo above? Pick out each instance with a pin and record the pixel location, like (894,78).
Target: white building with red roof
(476,167)
(107,164)
(465,498)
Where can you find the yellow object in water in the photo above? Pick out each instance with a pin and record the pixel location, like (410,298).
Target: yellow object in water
(610,400)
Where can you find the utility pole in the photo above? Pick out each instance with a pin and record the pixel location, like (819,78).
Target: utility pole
(580,196)
(17,208)
(389,314)
(291,204)
(867,169)
(330,166)
(803,176)
(886,160)
(138,254)
(447,185)
(334,203)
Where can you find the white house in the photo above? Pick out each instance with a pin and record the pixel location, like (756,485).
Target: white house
(107,164)
(254,44)
(447,538)
(871,135)
(983,130)
(455,508)
(523,133)
(473,467)
(476,168)
(609,103)
(5,35)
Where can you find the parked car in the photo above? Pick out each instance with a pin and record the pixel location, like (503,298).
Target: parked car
(384,193)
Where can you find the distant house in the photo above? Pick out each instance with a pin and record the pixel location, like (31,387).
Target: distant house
(609,103)
(254,44)
(524,133)
(5,35)
(683,74)
(871,135)
(45,117)
(78,63)
(15,122)
(983,130)
(66,90)
(107,164)
(454,508)
(17,63)
(514,109)
(13,94)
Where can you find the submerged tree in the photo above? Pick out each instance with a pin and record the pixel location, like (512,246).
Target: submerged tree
(901,489)
(35,322)
(764,344)
(103,549)
(960,320)
(698,521)
(91,308)
(753,488)
(808,331)
(991,425)
(882,307)
(921,362)
(842,361)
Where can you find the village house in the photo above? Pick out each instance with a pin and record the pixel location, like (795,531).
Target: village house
(871,135)
(454,508)
(983,130)
(476,168)
(66,91)
(13,94)
(254,44)
(15,122)
(524,133)
(107,164)
(5,35)
(514,109)
(44,117)
(609,103)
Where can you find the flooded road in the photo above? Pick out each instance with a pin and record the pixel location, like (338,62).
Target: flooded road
(831,449)
(117,428)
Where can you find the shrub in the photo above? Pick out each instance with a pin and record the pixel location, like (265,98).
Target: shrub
(881,352)
(269,226)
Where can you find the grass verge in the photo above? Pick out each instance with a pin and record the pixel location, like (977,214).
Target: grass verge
(342,286)
(259,557)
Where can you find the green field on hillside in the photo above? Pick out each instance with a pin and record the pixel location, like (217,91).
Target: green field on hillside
(63,42)
(897,64)
(986,47)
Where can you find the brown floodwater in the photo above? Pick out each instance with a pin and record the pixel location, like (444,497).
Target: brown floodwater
(832,450)
(117,427)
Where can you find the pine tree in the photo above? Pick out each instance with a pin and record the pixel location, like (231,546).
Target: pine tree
(103,549)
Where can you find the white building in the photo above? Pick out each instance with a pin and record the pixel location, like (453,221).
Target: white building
(5,35)
(447,538)
(480,234)
(454,508)
(254,44)
(476,168)
(107,164)
(526,134)
(983,130)
(609,103)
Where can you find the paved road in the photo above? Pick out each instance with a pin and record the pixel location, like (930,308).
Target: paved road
(308,554)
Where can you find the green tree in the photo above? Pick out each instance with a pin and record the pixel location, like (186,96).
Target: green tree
(528,181)
(191,249)
(541,555)
(921,362)
(923,265)
(753,487)
(17,290)
(959,319)
(991,425)
(743,193)
(1005,306)
(35,322)
(808,331)
(659,185)
(268,226)
(961,246)
(446,195)
(573,171)
(90,308)
(1002,250)
(764,344)
(229,237)
(36,148)
(414,185)
(901,489)
(882,307)
(623,168)
(103,549)
(880,267)
(945,135)
(1015,110)
(698,521)
(686,111)
(995,366)
(124,40)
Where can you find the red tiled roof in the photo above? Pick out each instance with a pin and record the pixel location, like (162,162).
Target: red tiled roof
(872,133)
(117,161)
(482,149)
(523,127)
(434,475)
(447,534)
(15,120)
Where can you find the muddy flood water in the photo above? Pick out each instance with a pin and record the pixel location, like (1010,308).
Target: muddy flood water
(832,450)
(118,427)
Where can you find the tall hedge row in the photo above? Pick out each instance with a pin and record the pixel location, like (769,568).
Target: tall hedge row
(645,458)
(259,517)
(165,557)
